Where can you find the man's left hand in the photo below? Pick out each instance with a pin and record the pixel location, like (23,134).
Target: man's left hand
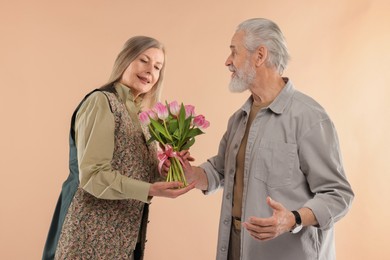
(265,229)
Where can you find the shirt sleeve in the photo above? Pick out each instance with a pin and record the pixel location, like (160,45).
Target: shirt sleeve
(94,129)
(321,162)
(215,166)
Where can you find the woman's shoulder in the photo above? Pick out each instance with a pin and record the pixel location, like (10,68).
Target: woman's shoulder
(96,96)
(94,100)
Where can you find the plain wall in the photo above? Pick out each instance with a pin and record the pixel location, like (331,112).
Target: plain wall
(53,52)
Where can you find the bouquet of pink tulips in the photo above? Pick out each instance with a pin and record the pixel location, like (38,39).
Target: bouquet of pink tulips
(174,126)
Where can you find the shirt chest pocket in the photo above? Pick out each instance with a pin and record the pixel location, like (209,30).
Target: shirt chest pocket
(273,163)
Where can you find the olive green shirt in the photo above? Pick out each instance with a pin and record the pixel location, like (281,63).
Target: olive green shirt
(94,128)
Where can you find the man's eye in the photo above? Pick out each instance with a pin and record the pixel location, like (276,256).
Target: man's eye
(144,61)
(157,68)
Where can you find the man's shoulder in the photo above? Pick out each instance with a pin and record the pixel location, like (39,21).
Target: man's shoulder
(304,105)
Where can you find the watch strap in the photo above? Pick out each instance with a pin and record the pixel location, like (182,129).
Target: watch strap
(298,220)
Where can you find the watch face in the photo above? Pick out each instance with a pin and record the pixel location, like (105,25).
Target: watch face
(296,229)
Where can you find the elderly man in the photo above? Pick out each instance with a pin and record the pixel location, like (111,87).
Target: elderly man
(279,161)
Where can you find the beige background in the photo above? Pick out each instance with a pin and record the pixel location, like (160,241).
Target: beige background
(54,52)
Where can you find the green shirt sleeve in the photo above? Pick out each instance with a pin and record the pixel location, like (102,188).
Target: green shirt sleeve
(94,128)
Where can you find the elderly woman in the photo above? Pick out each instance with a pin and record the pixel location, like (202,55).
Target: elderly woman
(103,207)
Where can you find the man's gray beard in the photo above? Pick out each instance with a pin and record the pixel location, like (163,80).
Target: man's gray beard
(241,82)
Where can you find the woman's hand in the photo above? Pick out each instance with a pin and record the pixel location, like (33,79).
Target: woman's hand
(169,189)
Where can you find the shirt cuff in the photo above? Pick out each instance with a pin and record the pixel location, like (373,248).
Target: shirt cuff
(136,189)
(212,183)
(321,212)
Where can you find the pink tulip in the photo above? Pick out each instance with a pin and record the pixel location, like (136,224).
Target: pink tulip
(201,122)
(144,118)
(174,108)
(190,110)
(205,124)
(152,114)
(161,110)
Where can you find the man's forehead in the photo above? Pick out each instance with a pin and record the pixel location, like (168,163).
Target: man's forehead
(237,39)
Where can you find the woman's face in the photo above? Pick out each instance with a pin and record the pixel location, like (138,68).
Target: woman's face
(142,73)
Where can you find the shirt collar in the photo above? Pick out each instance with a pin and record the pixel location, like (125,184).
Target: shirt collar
(280,102)
(126,95)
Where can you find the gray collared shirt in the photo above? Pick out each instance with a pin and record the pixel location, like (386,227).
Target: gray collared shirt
(293,156)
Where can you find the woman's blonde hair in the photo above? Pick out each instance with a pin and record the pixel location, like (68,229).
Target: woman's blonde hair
(130,51)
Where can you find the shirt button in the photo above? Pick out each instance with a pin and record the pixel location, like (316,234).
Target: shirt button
(223,249)
(228,196)
(235,146)
(226,222)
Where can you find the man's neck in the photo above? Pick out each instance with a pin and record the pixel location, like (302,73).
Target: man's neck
(267,88)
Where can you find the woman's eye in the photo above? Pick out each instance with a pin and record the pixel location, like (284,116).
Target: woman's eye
(157,68)
(144,61)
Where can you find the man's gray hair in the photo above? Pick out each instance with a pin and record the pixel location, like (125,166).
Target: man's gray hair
(260,31)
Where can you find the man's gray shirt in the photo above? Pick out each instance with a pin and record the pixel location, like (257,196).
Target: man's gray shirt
(293,156)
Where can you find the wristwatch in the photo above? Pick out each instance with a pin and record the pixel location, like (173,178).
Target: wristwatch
(298,222)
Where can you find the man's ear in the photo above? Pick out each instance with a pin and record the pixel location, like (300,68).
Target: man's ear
(261,55)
